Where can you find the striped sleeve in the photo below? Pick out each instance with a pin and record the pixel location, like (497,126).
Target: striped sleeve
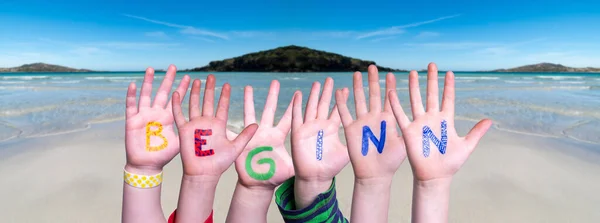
(323,209)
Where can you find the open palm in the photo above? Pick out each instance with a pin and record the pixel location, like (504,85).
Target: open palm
(435,150)
(368,160)
(265,162)
(318,153)
(205,149)
(150,141)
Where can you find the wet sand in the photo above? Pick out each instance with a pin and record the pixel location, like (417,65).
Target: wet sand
(76,177)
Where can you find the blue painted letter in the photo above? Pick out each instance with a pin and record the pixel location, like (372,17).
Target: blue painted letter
(439,143)
(320,145)
(368,134)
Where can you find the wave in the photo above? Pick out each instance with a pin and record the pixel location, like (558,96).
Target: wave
(518,82)
(66,82)
(24,77)
(477,78)
(116,78)
(12,82)
(559,77)
(572,82)
(291,78)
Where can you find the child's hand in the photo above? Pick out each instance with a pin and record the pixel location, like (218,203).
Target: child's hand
(318,153)
(150,141)
(434,149)
(265,161)
(376,150)
(205,149)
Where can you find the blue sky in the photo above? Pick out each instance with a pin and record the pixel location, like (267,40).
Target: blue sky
(457,35)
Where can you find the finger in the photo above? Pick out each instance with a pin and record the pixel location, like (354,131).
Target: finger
(432,88)
(244,137)
(476,133)
(341,101)
(297,110)
(323,108)
(223,106)
(313,99)
(285,123)
(182,90)
(374,89)
(146,93)
(249,115)
(130,105)
(390,85)
(449,94)
(268,115)
(177,114)
(359,96)
(209,96)
(401,117)
(195,100)
(165,88)
(415,95)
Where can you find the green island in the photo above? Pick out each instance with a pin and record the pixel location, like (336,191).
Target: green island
(548,67)
(42,67)
(290,59)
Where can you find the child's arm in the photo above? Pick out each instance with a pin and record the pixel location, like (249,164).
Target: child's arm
(264,164)
(376,150)
(318,157)
(205,150)
(150,144)
(435,151)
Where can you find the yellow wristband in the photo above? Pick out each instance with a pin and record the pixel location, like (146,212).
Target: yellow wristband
(142,181)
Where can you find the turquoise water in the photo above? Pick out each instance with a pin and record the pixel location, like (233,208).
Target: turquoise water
(557,105)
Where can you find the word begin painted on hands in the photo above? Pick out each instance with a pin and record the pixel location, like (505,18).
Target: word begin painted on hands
(439,143)
(156,132)
(368,134)
(320,145)
(199,142)
(271,162)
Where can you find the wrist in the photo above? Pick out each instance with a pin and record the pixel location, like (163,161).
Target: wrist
(251,196)
(433,184)
(304,187)
(306,191)
(143,170)
(256,189)
(374,182)
(202,180)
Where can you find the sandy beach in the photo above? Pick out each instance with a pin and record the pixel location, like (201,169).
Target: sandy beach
(76,177)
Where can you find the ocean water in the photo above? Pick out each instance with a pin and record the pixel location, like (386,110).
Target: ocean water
(559,105)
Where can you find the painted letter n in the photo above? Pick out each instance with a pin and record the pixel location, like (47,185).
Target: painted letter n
(368,135)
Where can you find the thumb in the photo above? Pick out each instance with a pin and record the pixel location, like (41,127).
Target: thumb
(476,133)
(244,137)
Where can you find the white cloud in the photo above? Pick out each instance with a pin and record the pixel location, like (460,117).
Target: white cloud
(203,39)
(400,29)
(251,34)
(382,39)
(156,21)
(201,32)
(157,34)
(185,29)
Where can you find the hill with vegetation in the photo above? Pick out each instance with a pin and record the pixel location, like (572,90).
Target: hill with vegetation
(42,67)
(548,67)
(290,59)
